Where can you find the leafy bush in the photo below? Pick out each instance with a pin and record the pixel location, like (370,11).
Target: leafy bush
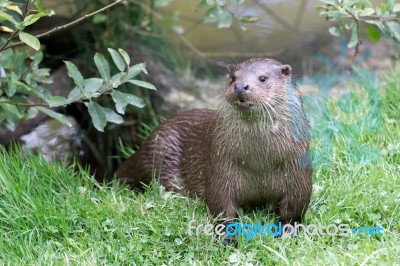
(381,19)
(22,96)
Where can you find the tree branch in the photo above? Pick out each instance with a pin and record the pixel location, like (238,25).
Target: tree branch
(26,104)
(47,33)
(16,31)
(359,42)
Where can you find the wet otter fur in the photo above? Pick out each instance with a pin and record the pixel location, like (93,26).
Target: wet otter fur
(251,152)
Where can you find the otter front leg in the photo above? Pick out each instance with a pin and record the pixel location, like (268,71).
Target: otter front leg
(221,204)
(296,199)
(288,211)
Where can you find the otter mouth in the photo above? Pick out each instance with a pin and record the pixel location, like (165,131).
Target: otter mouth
(244,105)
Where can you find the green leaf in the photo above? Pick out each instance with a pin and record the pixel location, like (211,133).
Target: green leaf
(29,40)
(9,108)
(39,5)
(112,116)
(350,3)
(225,20)
(92,85)
(74,73)
(37,58)
(396,8)
(343,12)
(211,15)
(41,75)
(134,100)
(14,8)
(394,30)
(11,121)
(367,11)
(141,66)
(354,38)
(142,84)
(334,31)
(60,117)
(37,91)
(31,19)
(75,95)
(373,34)
(202,4)
(102,66)
(11,87)
(4,15)
(134,71)
(117,58)
(383,7)
(329,2)
(3,115)
(120,101)
(131,74)
(98,115)
(56,101)
(123,99)
(115,81)
(125,56)
(31,113)
(99,18)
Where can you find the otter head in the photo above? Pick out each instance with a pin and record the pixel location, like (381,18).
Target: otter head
(257,84)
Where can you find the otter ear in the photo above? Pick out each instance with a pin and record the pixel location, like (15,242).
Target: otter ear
(231,68)
(286,70)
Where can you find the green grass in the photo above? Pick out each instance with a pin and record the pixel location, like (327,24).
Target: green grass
(52,215)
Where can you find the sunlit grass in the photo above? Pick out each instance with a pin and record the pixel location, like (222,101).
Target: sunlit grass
(50,214)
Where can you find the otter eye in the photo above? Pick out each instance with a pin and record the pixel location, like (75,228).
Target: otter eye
(233,78)
(262,78)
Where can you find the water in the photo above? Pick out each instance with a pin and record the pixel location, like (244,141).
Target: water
(282,25)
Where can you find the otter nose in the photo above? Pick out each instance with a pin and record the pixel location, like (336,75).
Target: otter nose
(241,89)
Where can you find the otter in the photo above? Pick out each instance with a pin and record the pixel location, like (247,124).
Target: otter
(253,152)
